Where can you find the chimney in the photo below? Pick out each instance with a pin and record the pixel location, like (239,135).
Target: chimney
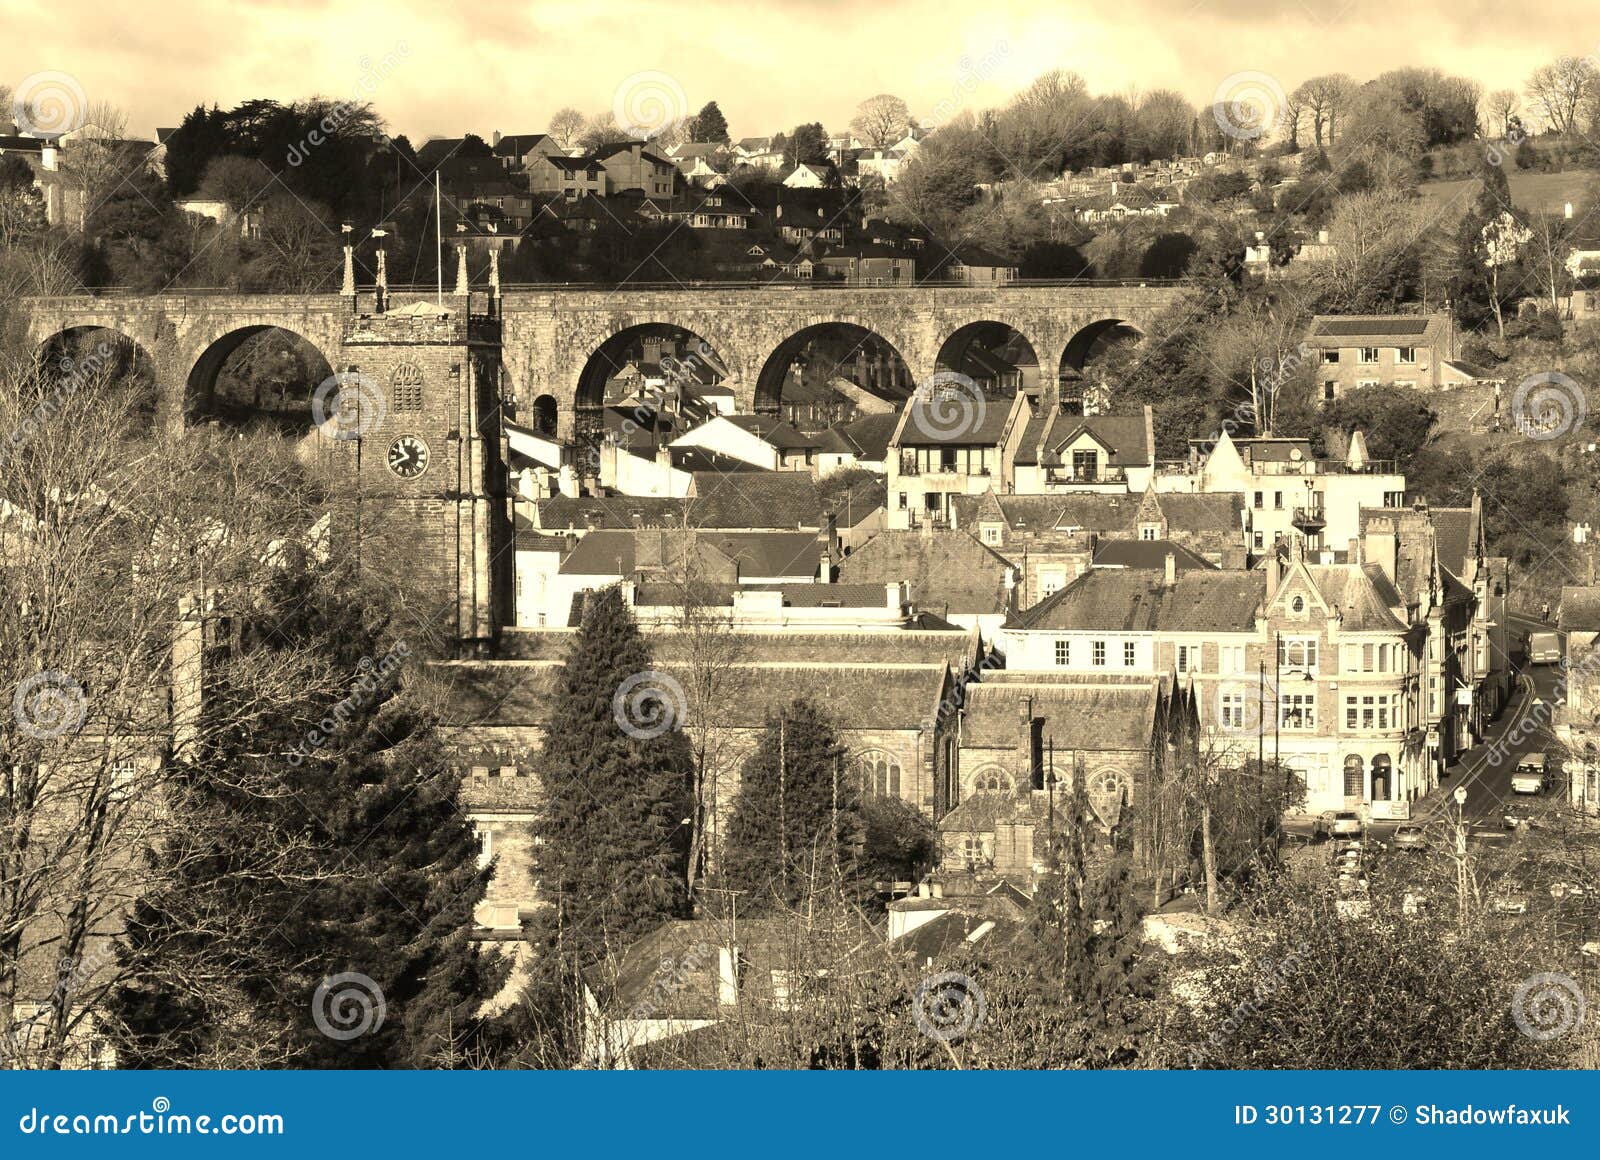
(1274,571)
(1150,432)
(1171,570)
(825,568)
(893,600)
(567,481)
(49,157)
(1322,237)
(494,138)
(1382,549)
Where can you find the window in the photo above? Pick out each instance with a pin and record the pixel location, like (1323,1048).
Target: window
(991,533)
(1298,604)
(1260,500)
(1098,652)
(485,845)
(1297,710)
(1330,356)
(1230,658)
(1188,658)
(1329,390)
(992,781)
(1405,354)
(1149,532)
(1050,582)
(1086,464)
(1277,500)
(902,501)
(1129,653)
(1369,354)
(972,851)
(1232,706)
(879,773)
(405,387)
(1297,652)
(1257,541)
(1063,652)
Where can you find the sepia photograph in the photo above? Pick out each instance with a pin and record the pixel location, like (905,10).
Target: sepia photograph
(719,542)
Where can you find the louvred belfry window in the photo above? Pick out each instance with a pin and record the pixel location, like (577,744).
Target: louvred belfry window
(405,388)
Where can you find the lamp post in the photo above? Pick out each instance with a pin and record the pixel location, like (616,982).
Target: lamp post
(1461,856)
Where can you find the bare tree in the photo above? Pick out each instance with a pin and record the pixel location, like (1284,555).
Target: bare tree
(1557,89)
(1326,98)
(1500,106)
(566,125)
(601,129)
(881,120)
(118,558)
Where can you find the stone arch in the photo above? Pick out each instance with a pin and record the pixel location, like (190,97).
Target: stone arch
(680,357)
(1091,340)
(287,404)
(984,348)
(70,354)
(545,415)
(867,352)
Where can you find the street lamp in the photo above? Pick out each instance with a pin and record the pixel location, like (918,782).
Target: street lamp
(1461,855)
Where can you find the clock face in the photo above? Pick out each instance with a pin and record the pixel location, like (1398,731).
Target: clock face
(408,456)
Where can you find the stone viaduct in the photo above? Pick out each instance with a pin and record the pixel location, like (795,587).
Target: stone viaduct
(549,335)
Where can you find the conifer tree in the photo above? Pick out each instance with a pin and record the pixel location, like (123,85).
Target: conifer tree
(317,879)
(796,818)
(616,772)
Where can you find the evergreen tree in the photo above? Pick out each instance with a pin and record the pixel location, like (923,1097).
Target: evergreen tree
(796,816)
(309,840)
(616,775)
(709,125)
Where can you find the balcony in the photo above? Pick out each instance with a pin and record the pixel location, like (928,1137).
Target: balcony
(1308,521)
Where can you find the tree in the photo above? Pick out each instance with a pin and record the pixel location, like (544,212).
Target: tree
(601,129)
(709,125)
(1397,421)
(1501,107)
(807,145)
(1168,256)
(297,252)
(1302,985)
(795,821)
(566,125)
(1325,98)
(1500,244)
(299,875)
(21,205)
(617,780)
(1557,89)
(238,182)
(882,120)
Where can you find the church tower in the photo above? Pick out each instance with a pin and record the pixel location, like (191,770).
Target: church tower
(418,423)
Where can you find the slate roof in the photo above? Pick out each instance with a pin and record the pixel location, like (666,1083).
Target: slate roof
(1096,512)
(1078,716)
(949,571)
(1051,429)
(1362,593)
(616,553)
(1137,600)
(777,432)
(947,424)
(766,499)
(1453,531)
(1146,554)
(871,433)
(1347,330)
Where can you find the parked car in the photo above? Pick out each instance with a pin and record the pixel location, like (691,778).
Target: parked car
(1343,823)
(1410,838)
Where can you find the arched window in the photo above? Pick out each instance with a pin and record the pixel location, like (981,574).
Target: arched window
(879,773)
(1382,778)
(1354,781)
(405,387)
(1108,790)
(992,780)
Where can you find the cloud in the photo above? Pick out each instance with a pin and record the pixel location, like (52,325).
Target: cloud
(768,63)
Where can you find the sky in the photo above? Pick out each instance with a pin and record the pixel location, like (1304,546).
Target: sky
(433,70)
